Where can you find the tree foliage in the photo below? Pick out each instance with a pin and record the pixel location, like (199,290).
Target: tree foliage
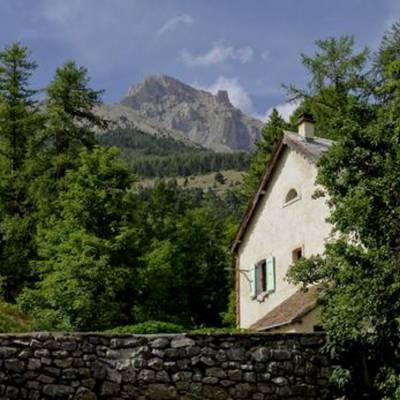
(359,273)
(80,248)
(87,251)
(187,255)
(161,156)
(19,122)
(338,82)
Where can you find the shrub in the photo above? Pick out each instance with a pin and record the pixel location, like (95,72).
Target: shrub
(149,327)
(12,320)
(208,330)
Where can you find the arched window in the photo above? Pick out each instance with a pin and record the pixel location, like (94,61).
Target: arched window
(291,195)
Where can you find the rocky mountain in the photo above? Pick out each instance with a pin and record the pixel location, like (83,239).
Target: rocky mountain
(162,103)
(124,117)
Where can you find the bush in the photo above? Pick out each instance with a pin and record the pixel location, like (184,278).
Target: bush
(208,330)
(152,327)
(12,320)
(149,327)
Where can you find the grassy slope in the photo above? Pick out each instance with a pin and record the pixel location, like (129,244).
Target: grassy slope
(234,180)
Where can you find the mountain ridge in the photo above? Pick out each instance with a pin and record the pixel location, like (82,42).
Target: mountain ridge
(164,105)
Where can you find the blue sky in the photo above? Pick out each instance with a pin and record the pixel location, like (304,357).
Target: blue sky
(248,47)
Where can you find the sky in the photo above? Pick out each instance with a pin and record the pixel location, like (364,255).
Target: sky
(248,47)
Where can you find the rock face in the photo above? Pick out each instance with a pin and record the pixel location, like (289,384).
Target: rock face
(211,121)
(124,117)
(164,367)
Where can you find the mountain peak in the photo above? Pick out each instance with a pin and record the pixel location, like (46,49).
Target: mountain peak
(160,85)
(223,97)
(207,119)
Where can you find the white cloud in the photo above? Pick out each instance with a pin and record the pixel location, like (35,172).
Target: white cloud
(237,93)
(218,54)
(172,23)
(284,109)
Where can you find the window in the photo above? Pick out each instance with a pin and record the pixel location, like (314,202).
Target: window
(262,280)
(297,254)
(291,196)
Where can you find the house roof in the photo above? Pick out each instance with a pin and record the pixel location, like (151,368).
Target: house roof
(289,311)
(312,149)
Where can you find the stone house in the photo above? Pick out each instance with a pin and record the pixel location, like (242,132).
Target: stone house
(283,223)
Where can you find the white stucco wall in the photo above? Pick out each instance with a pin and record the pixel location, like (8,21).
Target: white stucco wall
(276,230)
(305,325)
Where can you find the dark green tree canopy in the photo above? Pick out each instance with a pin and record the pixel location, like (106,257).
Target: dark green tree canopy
(339,82)
(359,274)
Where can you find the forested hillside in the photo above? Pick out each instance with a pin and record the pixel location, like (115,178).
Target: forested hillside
(162,156)
(81,246)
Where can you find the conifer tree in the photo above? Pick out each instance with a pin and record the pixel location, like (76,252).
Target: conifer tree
(87,251)
(19,123)
(70,127)
(270,135)
(339,82)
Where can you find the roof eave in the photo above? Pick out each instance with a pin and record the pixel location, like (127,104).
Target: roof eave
(293,320)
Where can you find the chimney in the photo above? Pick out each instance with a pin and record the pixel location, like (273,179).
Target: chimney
(306,125)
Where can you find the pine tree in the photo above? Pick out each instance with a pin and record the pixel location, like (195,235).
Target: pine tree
(19,123)
(339,82)
(87,252)
(70,128)
(70,107)
(270,135)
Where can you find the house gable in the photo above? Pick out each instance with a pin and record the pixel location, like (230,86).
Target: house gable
(310,149)
(278,226)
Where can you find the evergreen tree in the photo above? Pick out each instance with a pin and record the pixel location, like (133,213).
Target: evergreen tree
(88,251)
(70,126)
(19,123)
(270,136)
(70,107)
(339,83)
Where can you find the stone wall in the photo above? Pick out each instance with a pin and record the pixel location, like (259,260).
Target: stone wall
(163,367)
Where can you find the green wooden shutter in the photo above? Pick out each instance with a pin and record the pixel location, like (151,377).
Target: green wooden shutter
(271,274)
(253,281)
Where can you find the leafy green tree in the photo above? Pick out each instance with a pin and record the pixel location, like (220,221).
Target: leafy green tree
(187,257)
(270,136)
(19,123)
(87,251)
(359,273)
(388,53)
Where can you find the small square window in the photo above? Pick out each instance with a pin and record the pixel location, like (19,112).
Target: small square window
(297,254)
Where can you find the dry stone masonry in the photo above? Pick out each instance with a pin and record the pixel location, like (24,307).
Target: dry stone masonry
(163,367)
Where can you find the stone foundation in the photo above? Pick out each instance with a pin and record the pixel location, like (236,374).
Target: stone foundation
(163,367)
